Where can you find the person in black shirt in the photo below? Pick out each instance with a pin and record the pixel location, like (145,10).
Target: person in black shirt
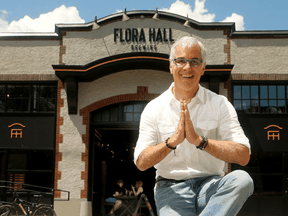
(120,191)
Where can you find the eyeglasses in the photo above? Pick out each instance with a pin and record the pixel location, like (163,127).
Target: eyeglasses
(195,62)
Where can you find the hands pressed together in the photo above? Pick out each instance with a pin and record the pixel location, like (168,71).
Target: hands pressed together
(185,129)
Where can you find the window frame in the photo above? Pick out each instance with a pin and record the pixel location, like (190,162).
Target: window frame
(31,98)
(255,170)
(259,84)
(120,123)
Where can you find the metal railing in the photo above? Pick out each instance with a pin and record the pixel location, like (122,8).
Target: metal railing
(9,187)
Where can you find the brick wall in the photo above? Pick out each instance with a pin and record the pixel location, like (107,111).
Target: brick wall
(59,139)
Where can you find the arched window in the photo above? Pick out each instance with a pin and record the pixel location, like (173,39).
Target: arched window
(124,113)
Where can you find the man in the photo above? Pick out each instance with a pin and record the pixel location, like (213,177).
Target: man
(188,133)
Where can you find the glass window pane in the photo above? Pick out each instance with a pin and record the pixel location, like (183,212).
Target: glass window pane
(254,106)
(114,114)
(237,92)
(128,108)
(272,103)
(264,103)
(263,106)
(48,91)
(46,180)
(281,92)
(17,105)
(105,115)
(272,185)
(128,117)
(137,117)
(237,104)
(39,105)
(40,160)
(138,107)
(245,104)
(254,92)
(2,91)
(281,105)
(263,92)
(272,92)
(245,92)
(17,91)
(2,105)
(97,117)
(51,104)
(17,161)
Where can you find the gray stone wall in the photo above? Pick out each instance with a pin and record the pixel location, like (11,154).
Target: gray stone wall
(28,56)
(85,47)
(260,56)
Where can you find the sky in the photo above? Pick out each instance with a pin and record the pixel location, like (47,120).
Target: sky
(41,16)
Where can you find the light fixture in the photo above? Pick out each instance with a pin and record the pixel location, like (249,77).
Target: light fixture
(187,23)
(95,24)
(125,17)
(156,16)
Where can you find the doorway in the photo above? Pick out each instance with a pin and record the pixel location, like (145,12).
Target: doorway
(113,136)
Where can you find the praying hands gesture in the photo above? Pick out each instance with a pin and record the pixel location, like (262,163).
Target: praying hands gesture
(185,129)
(228,151)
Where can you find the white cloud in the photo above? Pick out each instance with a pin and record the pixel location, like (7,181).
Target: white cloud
(3,22)
(238,19)
(45,22)
(118,11)
(199,13)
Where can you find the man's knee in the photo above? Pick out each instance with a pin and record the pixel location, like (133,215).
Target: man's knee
(243,181)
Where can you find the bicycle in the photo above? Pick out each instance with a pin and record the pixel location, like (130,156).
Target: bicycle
(28,208)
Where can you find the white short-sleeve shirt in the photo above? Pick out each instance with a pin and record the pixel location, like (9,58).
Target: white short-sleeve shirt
(212,115)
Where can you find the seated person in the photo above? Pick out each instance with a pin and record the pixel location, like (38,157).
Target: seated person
(137,191)
(119,192)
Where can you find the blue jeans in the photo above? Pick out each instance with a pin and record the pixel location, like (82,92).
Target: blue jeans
(212,195)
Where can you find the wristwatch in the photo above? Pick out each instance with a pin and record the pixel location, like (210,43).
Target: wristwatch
(203,143)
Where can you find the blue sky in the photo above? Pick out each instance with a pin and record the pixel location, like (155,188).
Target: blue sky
(41,16)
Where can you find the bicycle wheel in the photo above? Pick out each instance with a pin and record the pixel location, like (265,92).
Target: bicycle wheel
(8,210)
(44,211)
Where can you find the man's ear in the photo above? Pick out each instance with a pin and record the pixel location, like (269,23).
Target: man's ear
(203,69)
(171,66)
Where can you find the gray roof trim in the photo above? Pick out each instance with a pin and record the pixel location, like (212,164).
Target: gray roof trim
(260,34)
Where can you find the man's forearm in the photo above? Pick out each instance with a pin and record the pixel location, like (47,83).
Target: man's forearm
(228,151)
(152,155)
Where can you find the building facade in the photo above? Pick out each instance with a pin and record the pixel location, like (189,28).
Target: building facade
(70,103)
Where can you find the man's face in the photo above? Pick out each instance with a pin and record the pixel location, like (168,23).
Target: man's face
(187,77)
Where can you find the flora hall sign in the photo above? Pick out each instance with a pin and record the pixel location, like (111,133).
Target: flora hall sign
(138,35)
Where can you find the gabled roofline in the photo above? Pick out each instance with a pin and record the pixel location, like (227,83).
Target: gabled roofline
(148,14)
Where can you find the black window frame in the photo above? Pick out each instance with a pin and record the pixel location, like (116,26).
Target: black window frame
(257,169)
(30,98)
(121,123)
(259,84)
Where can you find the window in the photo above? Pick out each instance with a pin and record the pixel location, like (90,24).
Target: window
(27,98)
(269,173)
(132,112)
(30,167)
(260,98)
(128,112)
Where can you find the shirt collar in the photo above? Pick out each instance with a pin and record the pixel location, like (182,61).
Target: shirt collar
(199,94)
